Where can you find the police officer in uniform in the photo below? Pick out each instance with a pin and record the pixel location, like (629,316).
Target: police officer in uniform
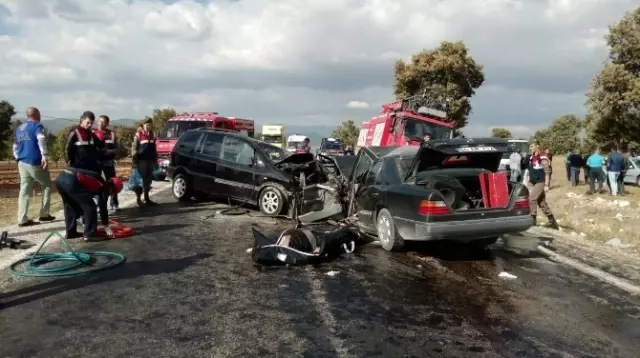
(145,158)
(84,150)
(77,187)
(110,143)
(539,170)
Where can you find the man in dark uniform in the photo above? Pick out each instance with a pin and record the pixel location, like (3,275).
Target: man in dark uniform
(77,187)
(145,158)
(539,170)
(84,149)
(110,143)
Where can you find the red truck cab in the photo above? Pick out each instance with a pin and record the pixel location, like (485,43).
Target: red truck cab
(406,122)
(179,124)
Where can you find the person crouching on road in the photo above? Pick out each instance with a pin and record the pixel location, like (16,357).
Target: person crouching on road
(110,143)
(539,169)
(77,187)
(84,149)
(145,158)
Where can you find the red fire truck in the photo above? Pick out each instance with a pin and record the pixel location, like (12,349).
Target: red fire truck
(406,122)
(179,124)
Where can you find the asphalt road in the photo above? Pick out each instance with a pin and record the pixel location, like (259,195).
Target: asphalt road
(189,289)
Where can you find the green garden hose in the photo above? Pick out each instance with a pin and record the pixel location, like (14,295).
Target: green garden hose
(77,262)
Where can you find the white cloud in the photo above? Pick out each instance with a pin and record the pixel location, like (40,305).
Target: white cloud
(286,60)
(357,104)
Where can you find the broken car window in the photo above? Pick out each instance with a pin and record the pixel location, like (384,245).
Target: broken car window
(212,145)
(237,151)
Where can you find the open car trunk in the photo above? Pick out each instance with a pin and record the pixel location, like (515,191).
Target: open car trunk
(464,172)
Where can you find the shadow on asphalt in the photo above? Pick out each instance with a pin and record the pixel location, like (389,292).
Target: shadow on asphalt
(447,250)
(129,270)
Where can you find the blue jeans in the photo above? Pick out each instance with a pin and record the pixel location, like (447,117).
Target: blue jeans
(575,176)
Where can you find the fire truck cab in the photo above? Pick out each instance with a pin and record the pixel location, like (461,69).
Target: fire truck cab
(179,124)
(406,122)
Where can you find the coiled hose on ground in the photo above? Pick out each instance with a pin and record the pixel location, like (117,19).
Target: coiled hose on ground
(63,264)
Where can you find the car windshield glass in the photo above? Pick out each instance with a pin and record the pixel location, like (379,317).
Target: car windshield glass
(294,145)
(272,139)
(636,162)
(419,129)
(331,145)
(174,129)
(272,152)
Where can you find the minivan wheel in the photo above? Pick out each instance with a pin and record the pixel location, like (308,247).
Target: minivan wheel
(271,201)
(181,188)
(388,237)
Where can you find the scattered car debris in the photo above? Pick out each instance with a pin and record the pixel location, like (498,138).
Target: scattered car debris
(301,246)
(332,273)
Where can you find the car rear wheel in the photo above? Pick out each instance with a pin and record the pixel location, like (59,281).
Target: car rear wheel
(181,188)
(271,201)
(388,236)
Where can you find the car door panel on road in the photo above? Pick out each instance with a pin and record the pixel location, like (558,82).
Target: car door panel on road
(236,174)
(206,163)
(368,195)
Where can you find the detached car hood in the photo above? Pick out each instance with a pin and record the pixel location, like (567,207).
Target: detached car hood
(297,158)
(481,153)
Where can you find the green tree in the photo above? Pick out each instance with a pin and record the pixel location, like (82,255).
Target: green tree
(501,133)
(161,116)
(562,136)
(55,152)
(257,135)
(613,99)
(448,73)
(347,132)
(60,143)
(7,111)
(125,135)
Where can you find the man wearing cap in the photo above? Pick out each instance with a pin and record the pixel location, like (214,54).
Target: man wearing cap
(30,151)
(77,187)
(145,158)
(84,149)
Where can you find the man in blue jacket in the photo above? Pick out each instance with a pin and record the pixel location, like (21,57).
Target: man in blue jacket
(595,163)
(30,151)
(615,165)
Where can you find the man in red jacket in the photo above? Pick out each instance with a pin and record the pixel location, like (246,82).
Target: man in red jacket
(77,187)
(110,145)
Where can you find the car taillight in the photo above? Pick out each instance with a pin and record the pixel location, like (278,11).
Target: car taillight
(431,207)
(522,203)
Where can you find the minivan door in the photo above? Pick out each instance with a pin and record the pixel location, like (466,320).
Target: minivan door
(236,172)
(206,164)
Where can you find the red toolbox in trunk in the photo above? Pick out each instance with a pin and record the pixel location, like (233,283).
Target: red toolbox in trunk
(495,189)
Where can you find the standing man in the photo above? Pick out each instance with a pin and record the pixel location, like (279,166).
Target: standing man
(615,165)
(84,150)
(539,168)
(306,145)
(110,143)
(567,165)
(575,162)
(595,163)
(145,158)
(586,167)
(515,165)
(30,151)
(547,152)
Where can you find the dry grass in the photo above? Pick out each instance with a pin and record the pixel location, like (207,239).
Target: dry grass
(600,218)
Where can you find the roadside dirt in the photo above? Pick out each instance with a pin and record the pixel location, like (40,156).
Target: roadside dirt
(601,230)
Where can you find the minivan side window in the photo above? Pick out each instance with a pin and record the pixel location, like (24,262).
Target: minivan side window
(212,145)
(188,141)
(237,151)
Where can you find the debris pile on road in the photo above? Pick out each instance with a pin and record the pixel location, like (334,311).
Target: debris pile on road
(301,246)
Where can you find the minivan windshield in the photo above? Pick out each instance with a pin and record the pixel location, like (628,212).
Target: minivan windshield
(272,152)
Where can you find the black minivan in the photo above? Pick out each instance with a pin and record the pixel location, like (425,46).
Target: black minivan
(212,162)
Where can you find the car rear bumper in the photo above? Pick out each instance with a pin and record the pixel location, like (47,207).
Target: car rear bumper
(464,231)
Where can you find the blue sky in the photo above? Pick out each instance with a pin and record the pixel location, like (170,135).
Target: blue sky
(316,62)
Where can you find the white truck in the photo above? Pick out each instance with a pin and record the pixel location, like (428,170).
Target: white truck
(274,135)
(294,141)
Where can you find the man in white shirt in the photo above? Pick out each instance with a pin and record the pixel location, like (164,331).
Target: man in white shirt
(515,165)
